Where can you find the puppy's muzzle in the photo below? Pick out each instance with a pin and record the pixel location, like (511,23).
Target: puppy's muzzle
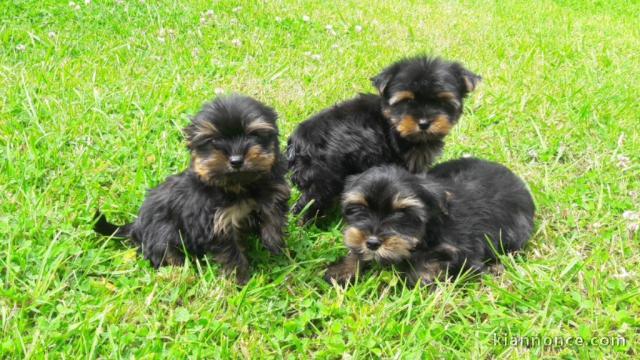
(236,161)
(373,243)
(424,124)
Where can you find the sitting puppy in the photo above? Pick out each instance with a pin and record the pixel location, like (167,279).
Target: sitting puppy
(235,184)
(420,100)
(455,218)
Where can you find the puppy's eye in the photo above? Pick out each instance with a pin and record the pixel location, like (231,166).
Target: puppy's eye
(214,143)
(354,210)
(404,214)
(261,133)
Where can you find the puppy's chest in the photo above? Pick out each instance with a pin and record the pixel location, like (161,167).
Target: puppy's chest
(418,158)
(235,216)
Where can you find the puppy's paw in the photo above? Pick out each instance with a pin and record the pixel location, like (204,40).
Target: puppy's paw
(299,206)
(272,239)
(240,273)
(495,269)
(275,249)
(344,271)
(242,277)
(339,274)
(423,282)
(427,275)
(307,219)
(310,211)
(234,265)
(166,257)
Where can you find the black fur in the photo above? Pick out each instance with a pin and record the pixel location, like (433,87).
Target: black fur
(211,207)
(372,130)
(453,219)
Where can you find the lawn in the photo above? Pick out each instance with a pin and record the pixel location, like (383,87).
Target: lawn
(93,98)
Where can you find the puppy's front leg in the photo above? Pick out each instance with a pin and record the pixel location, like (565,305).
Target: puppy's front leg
(230,255)
(442,263)
(273,216)
(345,270)
(426,272)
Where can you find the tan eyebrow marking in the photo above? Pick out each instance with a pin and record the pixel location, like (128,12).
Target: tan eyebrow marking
(204,129)
(259,124)
(400,96)
(446,95)
(354,198)
(449,97)
(400,202)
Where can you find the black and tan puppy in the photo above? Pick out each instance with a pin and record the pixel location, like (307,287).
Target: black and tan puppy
(454,219)
(235,185)
(420,100)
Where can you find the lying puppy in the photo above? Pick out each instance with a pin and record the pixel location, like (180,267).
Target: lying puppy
(453,219)
(235,184)
(420,100)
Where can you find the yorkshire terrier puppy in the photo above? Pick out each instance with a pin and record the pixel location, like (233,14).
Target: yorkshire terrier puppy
(454,219)
(234,185)
(420,99)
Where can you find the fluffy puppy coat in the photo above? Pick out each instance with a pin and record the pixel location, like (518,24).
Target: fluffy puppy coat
(234,185)
(453,219)
(420,99)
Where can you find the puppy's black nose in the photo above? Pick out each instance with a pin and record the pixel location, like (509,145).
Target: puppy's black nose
(423,124)
(236,161)
(373,243)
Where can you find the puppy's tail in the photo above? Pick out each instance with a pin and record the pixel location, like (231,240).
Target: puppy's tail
(104,227)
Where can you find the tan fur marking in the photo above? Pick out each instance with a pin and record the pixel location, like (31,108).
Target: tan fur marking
(448,248)
(259,124)
(354,238)
(204,129)
(440,126)
(407,126)
(203,167)
(469,83)
(448,195)
(401,96)
(449,97)
(257,159)
(354,198)
(396,248)
(233,217)
(446,95)
(400,202)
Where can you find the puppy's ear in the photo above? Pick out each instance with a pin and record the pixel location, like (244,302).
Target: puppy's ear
(436,196)
(381,80)
(189,132)
(469,80)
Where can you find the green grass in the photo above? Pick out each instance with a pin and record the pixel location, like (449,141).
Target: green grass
(92,102)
